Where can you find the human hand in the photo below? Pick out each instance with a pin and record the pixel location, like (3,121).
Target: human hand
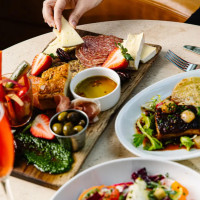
(52,10)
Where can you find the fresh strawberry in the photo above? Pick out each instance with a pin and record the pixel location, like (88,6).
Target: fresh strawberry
(40,63)
(116,60)
(40,127)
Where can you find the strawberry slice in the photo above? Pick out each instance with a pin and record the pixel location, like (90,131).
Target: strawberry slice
(40,127)
(116,60)
(40,63)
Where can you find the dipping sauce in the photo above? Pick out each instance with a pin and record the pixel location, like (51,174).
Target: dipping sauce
(95,86)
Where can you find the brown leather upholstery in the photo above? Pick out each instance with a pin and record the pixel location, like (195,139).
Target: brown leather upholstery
(171,10)
(174,10)
(22,19)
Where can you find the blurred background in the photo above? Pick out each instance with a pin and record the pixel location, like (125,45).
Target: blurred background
(22,19)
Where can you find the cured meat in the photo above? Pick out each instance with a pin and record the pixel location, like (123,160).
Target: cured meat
(91,108)
(170,125)
(95,49)
(62,102)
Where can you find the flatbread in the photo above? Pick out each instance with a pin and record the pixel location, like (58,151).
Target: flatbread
(187,92)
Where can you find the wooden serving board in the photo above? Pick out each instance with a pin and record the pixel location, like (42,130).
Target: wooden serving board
(30,173)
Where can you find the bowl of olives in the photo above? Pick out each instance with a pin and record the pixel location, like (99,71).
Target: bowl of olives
(69,127)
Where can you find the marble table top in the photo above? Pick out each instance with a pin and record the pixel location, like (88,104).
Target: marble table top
(170,35)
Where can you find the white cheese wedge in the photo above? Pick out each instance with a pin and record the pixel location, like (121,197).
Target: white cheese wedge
(68,36)
(57,34)
(148,52)
(134,44)
(138,191)
(53,46)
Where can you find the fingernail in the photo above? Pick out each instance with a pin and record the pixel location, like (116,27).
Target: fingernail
(73,24)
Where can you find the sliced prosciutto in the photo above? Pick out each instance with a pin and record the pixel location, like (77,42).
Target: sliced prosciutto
(91,108)
(95,49)
(62,102)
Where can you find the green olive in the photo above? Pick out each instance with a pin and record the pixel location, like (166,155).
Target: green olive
(73,117)
(82,122)
(77,128)
(57,128)
(68,129)
(62,116)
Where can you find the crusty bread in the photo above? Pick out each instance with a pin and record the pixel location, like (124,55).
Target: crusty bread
(54,81)
(187,92)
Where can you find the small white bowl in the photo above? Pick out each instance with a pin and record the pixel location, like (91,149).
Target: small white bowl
(107,101)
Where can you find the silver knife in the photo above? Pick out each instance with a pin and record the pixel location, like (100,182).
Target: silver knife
(192,48)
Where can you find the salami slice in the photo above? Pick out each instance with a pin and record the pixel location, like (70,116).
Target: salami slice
(96,49)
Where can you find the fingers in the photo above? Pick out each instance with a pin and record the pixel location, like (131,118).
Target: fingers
(47,12)
(77,13)
(58,9)
(82,7)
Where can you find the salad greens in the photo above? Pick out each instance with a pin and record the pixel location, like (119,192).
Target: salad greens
(146,125)
(187,142)
(198,111)
(147,132)
(143,186)
(151,105)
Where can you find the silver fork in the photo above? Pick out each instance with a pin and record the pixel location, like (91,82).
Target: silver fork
(180,63)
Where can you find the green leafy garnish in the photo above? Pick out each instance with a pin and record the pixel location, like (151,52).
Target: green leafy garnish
(155,143)
(121,197)
(138,139)
(52,55)
(146,120)
(198,111)
(151,105)
(187,142)
(124,52)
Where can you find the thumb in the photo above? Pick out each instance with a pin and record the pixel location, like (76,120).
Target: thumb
(77,13)
(74,18)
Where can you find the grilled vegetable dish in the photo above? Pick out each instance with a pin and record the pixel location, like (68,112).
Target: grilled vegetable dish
(168,123)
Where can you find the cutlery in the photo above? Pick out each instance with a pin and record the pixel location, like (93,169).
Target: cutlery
(181,63)
(192,48)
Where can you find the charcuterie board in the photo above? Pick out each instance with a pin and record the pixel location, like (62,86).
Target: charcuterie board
(30,173)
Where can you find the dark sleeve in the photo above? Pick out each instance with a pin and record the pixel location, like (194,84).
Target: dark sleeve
(194,18)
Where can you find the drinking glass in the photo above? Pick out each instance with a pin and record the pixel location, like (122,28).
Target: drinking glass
(18,100)
(6,152)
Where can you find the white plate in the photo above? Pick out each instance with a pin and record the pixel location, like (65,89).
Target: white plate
(127,117)
(118,171)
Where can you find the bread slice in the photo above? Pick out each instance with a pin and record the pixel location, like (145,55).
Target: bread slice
(187,92)
(54,81)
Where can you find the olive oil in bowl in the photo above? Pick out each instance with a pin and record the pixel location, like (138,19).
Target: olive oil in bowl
(95,86)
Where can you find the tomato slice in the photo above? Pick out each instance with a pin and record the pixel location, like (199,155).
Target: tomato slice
(26,82)
(22,92)
(115,194)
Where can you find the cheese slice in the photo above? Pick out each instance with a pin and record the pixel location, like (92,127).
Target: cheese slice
(134,44)
(68,36)
(57,34)
(53,46)
(148,52)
